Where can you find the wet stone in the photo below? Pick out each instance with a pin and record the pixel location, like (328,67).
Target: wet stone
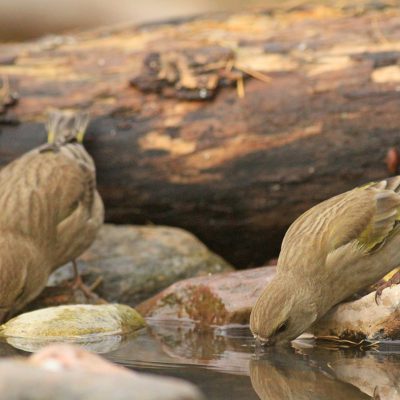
(212,300)
(99,328)
(136,262)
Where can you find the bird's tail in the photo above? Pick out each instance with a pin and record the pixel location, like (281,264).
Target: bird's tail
(64,126)
(392,183)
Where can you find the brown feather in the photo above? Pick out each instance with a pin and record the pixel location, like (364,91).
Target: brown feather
(51,212)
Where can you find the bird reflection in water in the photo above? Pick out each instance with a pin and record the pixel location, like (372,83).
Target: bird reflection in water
(278,374)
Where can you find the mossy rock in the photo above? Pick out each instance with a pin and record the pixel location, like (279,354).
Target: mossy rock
(74,322)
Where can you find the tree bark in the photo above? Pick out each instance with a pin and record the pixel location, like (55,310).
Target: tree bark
(227,125)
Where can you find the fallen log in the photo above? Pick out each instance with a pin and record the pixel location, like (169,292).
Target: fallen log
(227,125)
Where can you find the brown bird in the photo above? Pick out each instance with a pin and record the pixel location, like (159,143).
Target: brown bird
(299,376)
(51,211)
(332,251)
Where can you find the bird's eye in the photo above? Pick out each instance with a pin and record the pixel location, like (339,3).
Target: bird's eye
(282,327)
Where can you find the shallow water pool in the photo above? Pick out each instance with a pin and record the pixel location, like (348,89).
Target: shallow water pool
(225,364)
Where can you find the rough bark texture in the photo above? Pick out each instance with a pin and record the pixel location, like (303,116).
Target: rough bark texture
(229,126)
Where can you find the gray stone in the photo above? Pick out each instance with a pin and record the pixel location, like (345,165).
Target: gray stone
(68,373)
(136,262)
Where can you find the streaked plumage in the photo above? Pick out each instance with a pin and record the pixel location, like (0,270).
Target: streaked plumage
(332,251)
(51,211)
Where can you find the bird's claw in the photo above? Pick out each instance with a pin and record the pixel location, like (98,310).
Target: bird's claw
(378,294)
(394,280)
(88,291)
(380,289)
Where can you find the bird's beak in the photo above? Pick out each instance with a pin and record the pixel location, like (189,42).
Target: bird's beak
(261,342)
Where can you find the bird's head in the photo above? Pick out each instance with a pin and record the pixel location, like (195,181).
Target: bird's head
(282,312)
(64,126)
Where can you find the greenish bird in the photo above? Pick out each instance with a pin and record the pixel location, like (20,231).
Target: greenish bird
(332,251)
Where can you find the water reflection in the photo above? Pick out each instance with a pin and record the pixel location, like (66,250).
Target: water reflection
(226,364)
(377,375)
(95,344)
(303,372)
(226,350)
(288,375)
(175,344)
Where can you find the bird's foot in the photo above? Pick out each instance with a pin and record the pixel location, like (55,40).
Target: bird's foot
(88,291)
(394,280)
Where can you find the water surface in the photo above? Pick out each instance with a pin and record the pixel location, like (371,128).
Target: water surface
(225,364)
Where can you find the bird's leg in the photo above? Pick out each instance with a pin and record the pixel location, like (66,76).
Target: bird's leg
(77,283)
(394,280)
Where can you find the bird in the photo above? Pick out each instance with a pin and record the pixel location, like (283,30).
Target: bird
(50,210)
(332,251)
(294,374)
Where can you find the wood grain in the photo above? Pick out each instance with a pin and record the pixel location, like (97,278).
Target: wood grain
(228,125)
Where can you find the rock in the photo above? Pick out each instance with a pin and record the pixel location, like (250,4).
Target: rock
(74,321)
(364,318)
(99,327)
(213,300)
(65,372)
(136,262)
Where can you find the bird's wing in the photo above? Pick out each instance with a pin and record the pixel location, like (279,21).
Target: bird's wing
(386,216)
(71,190)
(366,215)
(39,191)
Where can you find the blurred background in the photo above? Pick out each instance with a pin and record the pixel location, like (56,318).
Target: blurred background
(27,19)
